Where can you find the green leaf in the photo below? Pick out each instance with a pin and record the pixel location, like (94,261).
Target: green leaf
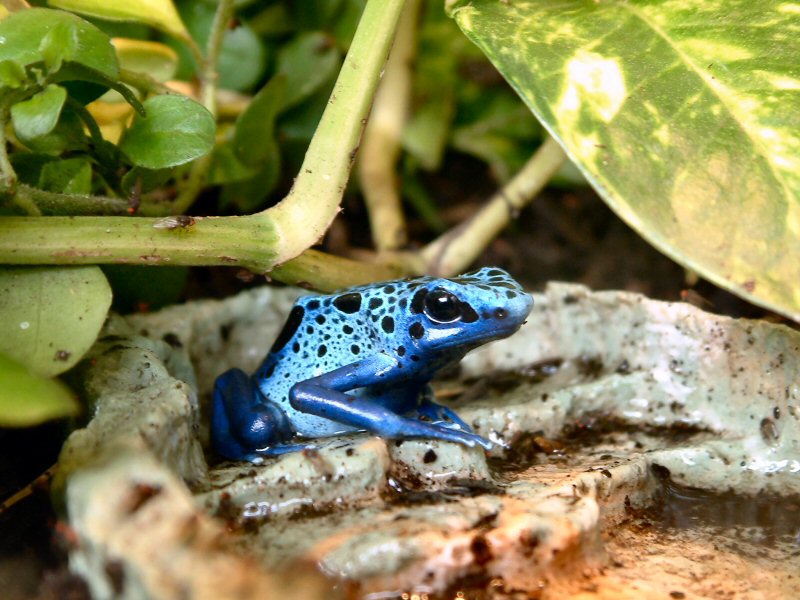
(11,74)
(50,316)
(67,135)
(248,195)
(28,165)
(226,166)
(53,37)
(501,132)
(683,115)
(307,62)
(243,56)
(39,115)
(254,138)
(242,59)
(160,14)
(146,179)
(157,60)
(69,176)
(176,130)
(27,399)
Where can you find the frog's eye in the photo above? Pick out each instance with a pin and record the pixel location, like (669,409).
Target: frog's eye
(442,307)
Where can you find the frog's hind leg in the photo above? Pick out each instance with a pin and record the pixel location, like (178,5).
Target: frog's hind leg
(244,424)
(324,396)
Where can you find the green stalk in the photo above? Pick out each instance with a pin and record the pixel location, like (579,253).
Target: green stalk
(380,148)
(242,241)
(305,214)
(54,203)
(209,76)
(329,273)
(456,249)
(8,178)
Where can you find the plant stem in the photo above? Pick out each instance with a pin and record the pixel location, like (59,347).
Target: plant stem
(328,273)
(8,178)
(307,211)
(242,241)
(455,250)
(209,73)
(209,76)
(53,203)
(381,146)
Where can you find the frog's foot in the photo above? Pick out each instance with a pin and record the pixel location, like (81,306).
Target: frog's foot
(441,415)
(244,424)
(421,429)
(258,455)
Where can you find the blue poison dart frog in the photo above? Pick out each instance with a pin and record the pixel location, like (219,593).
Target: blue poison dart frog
(362,359)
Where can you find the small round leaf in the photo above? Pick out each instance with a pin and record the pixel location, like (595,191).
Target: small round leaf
(50,316)
(27,399)
(39,115)
(56,37)
(176,130)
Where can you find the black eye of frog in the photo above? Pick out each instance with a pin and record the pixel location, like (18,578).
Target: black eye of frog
(442,307)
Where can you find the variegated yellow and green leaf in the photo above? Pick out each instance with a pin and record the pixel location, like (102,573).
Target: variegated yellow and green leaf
(684,114)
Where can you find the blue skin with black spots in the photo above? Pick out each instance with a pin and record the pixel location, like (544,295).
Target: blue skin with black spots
(362,359)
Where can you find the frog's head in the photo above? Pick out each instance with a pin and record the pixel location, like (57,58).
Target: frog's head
(466,311)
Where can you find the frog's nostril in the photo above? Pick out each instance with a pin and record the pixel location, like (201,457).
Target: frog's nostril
(500,313)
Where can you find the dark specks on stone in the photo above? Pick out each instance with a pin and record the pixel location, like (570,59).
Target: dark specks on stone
(348,303)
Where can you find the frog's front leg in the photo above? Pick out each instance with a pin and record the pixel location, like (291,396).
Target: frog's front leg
(324,396)
(432,411)
(244,424)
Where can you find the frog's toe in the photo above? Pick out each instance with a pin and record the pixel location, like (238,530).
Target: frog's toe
(442,415)
(465,438)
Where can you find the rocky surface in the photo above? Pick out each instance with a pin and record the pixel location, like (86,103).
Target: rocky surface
(606,408)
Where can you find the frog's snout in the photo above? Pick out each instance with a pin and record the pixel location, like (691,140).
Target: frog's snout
(512,314)
(520,307)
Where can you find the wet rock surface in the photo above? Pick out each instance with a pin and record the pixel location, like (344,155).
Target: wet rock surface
(606,408)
